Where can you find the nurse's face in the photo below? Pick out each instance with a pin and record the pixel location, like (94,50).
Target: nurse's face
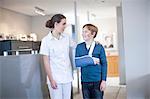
(86,34)
(60,27)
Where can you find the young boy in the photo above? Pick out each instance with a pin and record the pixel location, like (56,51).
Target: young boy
(93,74)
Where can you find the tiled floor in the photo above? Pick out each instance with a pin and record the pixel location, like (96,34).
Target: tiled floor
(113,89)
(112,81)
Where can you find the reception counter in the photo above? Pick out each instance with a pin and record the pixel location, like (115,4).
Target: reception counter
(22,77)
(113,66)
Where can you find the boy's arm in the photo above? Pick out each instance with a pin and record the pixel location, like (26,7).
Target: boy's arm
(103,62)
(82,61)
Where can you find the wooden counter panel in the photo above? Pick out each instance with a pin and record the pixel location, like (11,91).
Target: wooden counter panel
(112,66)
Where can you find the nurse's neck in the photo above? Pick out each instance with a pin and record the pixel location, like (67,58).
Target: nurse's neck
(56,34)
(89,42)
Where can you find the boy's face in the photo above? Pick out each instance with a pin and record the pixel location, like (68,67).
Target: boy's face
(87,35)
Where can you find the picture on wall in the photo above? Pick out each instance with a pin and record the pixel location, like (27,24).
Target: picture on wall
(110,41)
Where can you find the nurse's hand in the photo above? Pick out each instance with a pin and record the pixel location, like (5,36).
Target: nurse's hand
(53,84)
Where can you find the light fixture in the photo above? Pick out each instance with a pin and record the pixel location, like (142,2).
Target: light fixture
(100,1)
(39,11)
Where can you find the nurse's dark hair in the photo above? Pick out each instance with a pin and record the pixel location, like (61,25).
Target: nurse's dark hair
(92,28)
(56,18)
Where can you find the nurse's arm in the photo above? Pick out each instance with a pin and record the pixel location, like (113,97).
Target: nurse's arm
(48,71)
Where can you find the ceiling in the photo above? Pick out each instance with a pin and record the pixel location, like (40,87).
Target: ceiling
(60,6)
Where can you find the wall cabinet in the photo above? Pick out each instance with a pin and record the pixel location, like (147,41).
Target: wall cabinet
(7,45)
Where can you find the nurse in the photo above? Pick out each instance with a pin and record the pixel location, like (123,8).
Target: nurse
(55,53)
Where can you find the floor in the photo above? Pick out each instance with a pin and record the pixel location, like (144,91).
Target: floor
(113,89)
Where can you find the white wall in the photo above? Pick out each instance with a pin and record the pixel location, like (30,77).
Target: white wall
(106,25)
(38,25)
(149,43)
(16,23)
(104,22)
(12,22)
(0,17)
(1,2)
(135,26)
(122,67)
(149,31)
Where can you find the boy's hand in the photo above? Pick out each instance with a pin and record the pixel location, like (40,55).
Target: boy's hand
(103,85)
(96,60)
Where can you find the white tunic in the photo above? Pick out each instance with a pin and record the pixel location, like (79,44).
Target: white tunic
(58,53)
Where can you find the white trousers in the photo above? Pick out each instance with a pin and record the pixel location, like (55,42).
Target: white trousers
(63,91)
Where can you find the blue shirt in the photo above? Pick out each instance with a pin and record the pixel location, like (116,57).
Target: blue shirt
(93,73)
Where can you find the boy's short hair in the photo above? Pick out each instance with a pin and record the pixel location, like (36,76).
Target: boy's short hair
(92,28)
